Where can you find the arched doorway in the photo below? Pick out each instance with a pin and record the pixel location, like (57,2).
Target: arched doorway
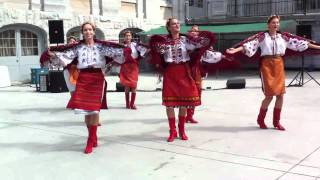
(76,32)
(20,48)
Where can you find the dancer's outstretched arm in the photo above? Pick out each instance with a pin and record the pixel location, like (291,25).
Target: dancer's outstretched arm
(313,46)
(234,50)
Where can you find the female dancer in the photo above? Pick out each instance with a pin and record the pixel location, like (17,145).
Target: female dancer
(88,96)
(129,71)
(273,45)
(170,54)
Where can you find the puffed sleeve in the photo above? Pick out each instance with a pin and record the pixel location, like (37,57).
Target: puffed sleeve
(296,44)
(204,40)
(142,50)
(116,53)
(66,57)
(251,47)
(191,44)
(211,56)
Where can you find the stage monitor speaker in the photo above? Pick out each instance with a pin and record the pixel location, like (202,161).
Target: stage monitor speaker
(56,34)
(236,83)
(56,82)
(119,87)
(304,31)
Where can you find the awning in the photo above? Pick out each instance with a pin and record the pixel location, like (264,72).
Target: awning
(230,28)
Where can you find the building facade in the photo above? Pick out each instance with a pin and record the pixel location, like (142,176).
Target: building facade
(24,25)
(306,14)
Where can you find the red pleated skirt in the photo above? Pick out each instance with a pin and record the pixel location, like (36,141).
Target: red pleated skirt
(129,73)
(90,91)
(179,88)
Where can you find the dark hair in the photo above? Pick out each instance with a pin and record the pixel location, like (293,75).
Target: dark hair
(71,37)
(90,23)
(270,18)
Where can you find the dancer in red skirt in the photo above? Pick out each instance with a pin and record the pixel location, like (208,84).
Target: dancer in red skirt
(89,93)
(273,45)
(171,54)
(129,71)
(198,71)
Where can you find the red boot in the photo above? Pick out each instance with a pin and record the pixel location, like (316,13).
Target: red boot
(127,100)
(173,131)
(182,133)
(276,119)
(189,118)
(91,139)
(95,141)
(133,98)
(260,120)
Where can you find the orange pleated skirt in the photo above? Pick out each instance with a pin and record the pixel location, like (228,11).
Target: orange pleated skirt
(272,75)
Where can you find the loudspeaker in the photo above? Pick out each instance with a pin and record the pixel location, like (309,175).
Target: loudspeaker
(236,83)
(119,87)
(56,82)
(304,31)
(56,34)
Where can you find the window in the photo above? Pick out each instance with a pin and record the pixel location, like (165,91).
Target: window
(166,12)
(7,43)
(128,9)
(199,3)
(196,3)
(313,5)
(191,2)
(29,43)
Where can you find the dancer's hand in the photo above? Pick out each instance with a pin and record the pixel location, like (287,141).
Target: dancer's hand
(231,51)
(50,53)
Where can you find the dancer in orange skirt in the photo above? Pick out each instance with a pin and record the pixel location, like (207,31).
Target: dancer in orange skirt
(273,45)
(89,93)
(171,55)
(129,71)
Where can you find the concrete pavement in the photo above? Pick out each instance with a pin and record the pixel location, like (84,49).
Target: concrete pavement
(40,139)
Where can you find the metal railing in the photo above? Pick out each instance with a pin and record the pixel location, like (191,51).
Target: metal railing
(241,8)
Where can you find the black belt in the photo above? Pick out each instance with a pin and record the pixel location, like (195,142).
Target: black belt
(272,56)
(91,70)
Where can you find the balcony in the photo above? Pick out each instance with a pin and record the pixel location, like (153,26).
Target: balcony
(244,11)
(240,8)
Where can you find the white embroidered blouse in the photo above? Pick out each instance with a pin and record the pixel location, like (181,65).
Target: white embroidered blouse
(211,56)
(91,56)
(274,46)
(136,49)
(178,52)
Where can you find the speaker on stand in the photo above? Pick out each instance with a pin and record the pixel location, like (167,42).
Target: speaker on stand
(56,33)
